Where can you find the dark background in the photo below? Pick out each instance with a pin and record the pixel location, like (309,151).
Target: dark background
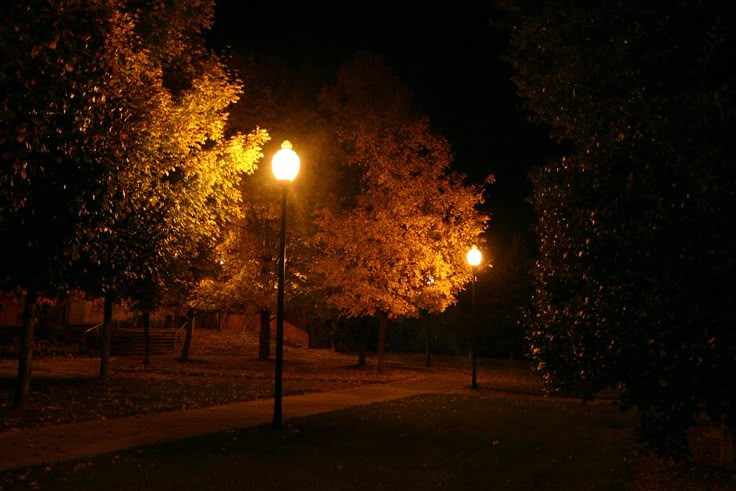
(449,56)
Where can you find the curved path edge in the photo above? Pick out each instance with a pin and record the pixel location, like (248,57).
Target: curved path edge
(48,445)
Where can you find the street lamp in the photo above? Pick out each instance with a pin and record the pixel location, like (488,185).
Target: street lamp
(474,257)
(285,167)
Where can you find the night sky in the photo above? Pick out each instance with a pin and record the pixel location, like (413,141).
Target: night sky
(450,59)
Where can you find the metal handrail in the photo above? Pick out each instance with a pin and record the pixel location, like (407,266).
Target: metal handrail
(96,327)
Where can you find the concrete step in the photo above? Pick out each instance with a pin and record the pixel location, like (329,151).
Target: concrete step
(132,342)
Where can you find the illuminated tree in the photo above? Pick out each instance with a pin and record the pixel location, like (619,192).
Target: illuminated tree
(179,186)
(113,131)
(635,261)
(277,98)
(396,246)
(246,281)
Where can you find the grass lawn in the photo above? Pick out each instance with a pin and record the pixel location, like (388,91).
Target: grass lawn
(504,436)
(457,441)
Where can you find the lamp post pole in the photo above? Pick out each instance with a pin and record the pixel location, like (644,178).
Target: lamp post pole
(277,412)
(285,166)
(474,257)
(474,339)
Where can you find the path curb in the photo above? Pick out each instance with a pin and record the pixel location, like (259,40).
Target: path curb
(48,445)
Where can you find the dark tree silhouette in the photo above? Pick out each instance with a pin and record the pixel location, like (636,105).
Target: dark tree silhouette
(635,275)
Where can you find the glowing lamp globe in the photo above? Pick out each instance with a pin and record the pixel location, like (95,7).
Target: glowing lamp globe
(474,256)
(285,163)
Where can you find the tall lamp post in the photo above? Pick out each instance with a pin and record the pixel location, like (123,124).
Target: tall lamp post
(474,257)
(285,167)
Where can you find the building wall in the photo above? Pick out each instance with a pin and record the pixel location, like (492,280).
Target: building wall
(11,310)
(80,311)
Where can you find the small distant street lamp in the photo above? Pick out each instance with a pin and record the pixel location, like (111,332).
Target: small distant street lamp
(474,258)
(285,167)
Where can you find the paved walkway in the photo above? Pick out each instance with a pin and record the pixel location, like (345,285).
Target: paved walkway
(52,444)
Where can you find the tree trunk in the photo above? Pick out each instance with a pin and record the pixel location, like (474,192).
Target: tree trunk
(106,336)
(382,328)
(362,341)
(336,326)
(264,335)
(25,354)
(332,338)
(726,441)
(188,327)
(146,338)
(428,342)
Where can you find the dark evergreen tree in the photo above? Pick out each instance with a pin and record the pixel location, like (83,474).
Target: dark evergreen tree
(635,273)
